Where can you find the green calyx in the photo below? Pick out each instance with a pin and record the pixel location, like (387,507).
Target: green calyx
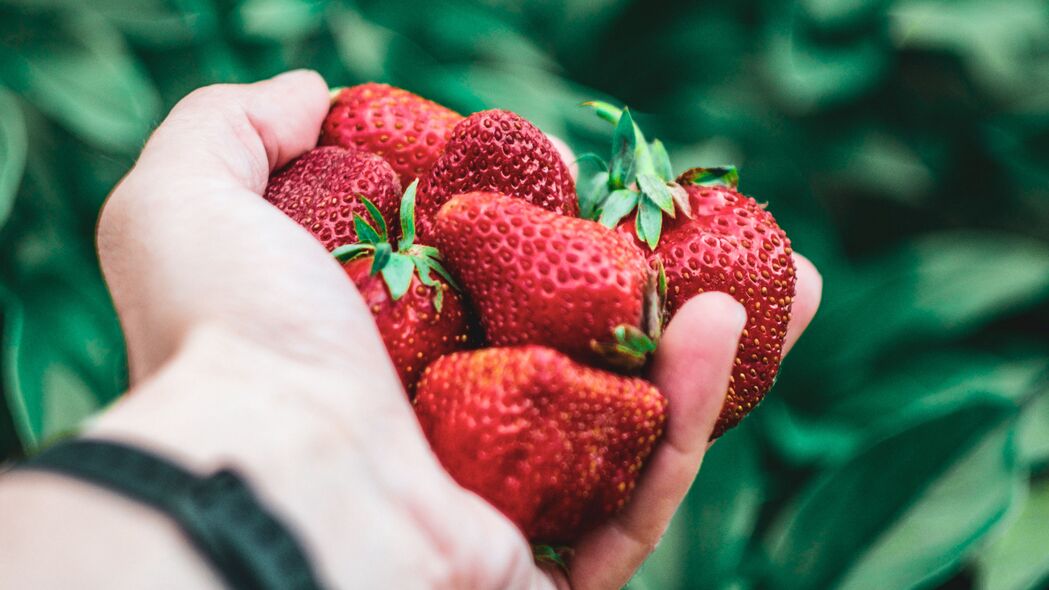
(397,264)
(549,554)
(639,179)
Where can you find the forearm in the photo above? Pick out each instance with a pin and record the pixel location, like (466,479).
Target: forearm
(61,533)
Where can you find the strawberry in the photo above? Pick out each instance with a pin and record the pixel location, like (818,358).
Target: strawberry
(555,445)
(498,151)
(707,237)
(420,316)
(324,188)
(536,277)
(406,129)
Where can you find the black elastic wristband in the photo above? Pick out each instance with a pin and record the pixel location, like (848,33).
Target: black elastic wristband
(243,542)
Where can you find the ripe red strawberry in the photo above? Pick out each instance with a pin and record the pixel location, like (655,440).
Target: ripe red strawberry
(406,129)
(536,277)
(498,151)
(716,240)
(420,316)
(322,190)
(555,445)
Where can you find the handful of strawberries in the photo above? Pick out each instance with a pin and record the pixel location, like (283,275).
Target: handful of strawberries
(520,316)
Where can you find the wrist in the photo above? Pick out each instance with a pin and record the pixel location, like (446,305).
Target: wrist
(304,438)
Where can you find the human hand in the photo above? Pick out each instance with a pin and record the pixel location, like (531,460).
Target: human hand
(248,346)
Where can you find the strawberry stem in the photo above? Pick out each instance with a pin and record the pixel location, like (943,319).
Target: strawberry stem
(640,178)
(543,553)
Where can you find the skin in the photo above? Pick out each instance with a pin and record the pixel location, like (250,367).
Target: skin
(249,347)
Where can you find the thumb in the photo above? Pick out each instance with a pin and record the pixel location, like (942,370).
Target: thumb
(238,132)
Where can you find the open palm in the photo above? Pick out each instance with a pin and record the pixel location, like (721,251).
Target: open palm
(186,240)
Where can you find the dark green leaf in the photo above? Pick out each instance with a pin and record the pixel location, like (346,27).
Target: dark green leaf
(998,61)
(62,359)
(408,216)
(278,20)
(398,273)
(158,23)
(81,73)
(900,395)
(161,23)
(657,190)
(12,152)
(938,285)
(1017,560)
(862,517)
(707,540)
(362,46)
(1032,436)
(808,74)
(929,540)
(618,205)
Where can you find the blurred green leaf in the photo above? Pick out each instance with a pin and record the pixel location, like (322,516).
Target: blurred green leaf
(12,152)
(807,74)
(707,540)
(841,520)
(160,23)
(840,13)
(938,285)
(993,38)
(10,444)
(1032,437)
(278,20)
(900,395)
(801,438)
(956,512)
(882,165)
(928,383)
(541,97)
(61,360)
(78,70)
(1018,560)
(362,45)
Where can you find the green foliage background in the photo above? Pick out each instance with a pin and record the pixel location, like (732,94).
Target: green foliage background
(903,144)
